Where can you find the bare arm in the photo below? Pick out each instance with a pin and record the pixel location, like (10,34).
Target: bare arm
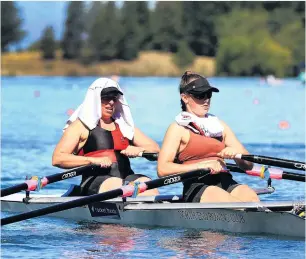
(232,141)
(63,156)
(141,140)
(168,152)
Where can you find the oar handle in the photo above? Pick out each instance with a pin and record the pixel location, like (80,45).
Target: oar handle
(149,155)
(273,173)
(273,161)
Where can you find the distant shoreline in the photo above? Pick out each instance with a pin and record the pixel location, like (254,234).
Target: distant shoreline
(148,63)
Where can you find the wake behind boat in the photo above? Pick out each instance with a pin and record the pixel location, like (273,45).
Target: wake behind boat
(267,217)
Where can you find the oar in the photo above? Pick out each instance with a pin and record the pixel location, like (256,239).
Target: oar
(273,173)
(33,184)
(36,184)
(265,160)
(124,191)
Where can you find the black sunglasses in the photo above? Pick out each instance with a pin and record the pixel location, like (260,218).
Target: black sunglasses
(206,95)
(109,98)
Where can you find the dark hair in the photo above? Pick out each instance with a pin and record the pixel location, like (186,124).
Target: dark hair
(187,77)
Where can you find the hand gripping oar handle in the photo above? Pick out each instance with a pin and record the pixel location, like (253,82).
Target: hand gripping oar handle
(272,161)
(124,191)
(273,173)
(32,185)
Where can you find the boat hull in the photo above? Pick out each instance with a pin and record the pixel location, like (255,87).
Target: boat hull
(178,216)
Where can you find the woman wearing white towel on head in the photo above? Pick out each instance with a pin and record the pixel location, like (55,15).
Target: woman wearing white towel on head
(102,132)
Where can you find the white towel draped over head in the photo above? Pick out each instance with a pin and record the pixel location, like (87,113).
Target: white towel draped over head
(210,124)
(89,112)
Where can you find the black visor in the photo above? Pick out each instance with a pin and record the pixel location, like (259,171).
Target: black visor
(199,86)
(110,91)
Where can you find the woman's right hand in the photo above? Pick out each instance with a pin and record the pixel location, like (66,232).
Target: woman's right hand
(216,166)
(104,162)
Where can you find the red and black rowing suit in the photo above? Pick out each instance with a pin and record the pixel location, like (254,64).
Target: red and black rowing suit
(101,142)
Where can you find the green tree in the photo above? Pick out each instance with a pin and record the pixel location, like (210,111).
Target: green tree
(292,36)
(74,28)
(143,16)
(246,50)
(184,56)
(47,43)
(167,26)
(199,25)
(131,34)
(11,22)
(105,33)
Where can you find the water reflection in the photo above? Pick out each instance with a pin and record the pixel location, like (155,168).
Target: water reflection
(201,244)
(109,240)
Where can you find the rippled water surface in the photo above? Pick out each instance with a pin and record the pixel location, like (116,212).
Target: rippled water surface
(267,120)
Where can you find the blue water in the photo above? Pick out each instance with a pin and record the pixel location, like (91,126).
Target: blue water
(267,120)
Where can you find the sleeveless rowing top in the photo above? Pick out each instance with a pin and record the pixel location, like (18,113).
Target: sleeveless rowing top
(200,148)
(101,142)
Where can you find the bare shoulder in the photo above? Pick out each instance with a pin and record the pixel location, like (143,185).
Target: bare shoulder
(175,127)
(77,127)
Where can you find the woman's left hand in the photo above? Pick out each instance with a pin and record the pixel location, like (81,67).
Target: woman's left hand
(132,151)
(228,153)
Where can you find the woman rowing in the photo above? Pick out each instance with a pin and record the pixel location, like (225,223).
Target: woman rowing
(199,140)
(102,132)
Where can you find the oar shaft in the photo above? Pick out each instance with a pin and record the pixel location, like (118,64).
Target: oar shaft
(124,191)
(13,189)
(31,185)
(272,161)
(293,177)
(61,206)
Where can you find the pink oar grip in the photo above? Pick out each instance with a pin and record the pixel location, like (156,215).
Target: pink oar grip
(32,185)
(44,182)
(276,173)
(142,187)
(256,171)
(127,190)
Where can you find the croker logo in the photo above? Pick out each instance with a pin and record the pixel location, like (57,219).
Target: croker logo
(299,166)
(69,175)
(174,179)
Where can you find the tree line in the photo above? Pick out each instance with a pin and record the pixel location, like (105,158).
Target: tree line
(246,38)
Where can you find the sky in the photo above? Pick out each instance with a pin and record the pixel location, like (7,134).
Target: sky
(37,15)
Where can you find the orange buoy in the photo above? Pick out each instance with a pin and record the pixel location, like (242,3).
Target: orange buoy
(284,125)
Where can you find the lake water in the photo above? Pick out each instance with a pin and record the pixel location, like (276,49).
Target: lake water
(267,120)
